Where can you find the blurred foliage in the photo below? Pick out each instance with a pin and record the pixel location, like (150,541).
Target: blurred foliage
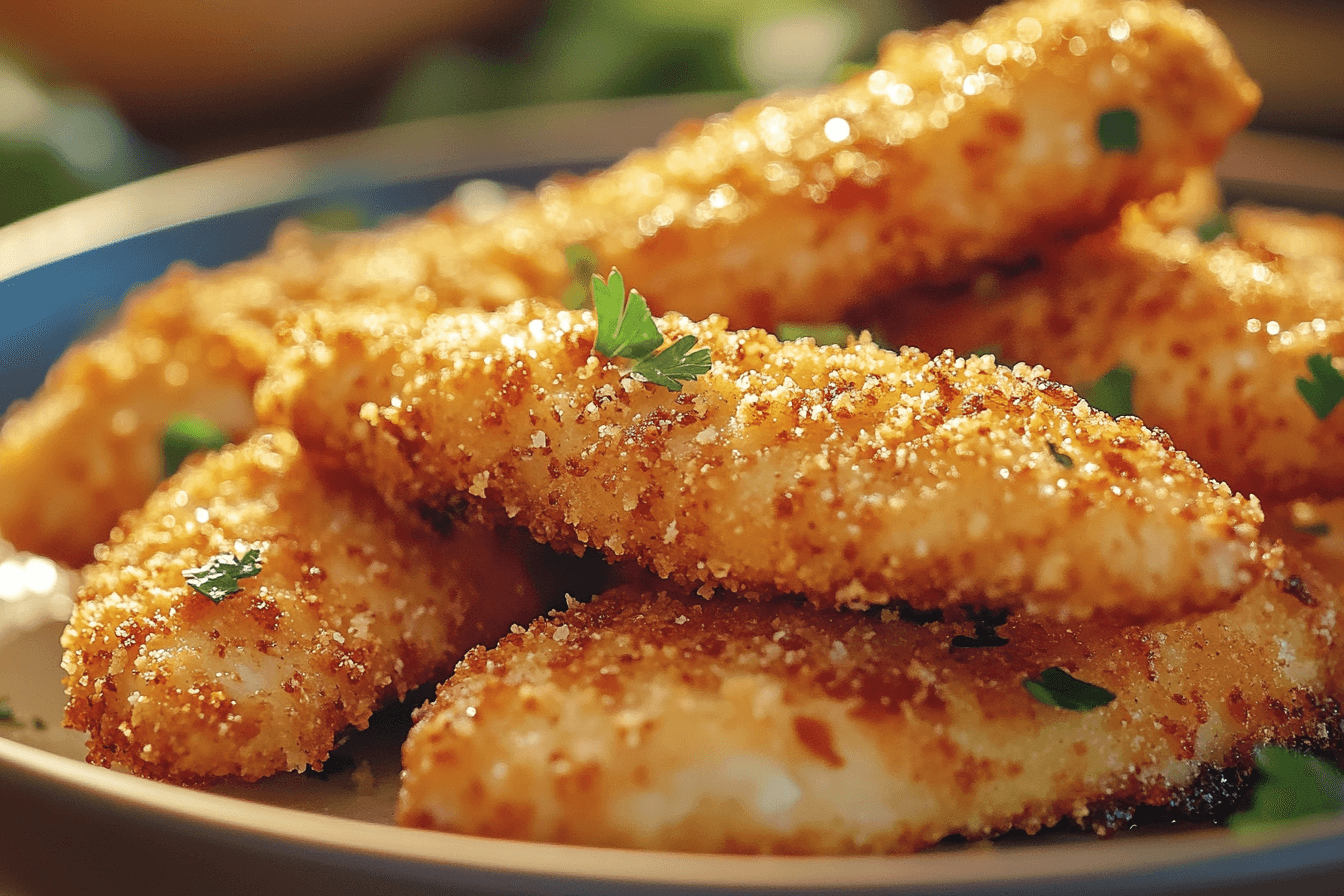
(33,178)
(58,143)
(619,48)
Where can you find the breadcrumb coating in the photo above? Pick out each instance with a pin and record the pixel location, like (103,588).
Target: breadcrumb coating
(852,475)
(1217,335)
(967,146)
(353,607)
(656,720)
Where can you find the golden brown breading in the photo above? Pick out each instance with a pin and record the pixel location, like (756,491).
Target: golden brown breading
(88,446)
(1217,335)
(668,722)
(850,475)
(353,607)
(1290,232)
(967,146)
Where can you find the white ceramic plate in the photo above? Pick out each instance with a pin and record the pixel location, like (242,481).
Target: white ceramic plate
(67,827)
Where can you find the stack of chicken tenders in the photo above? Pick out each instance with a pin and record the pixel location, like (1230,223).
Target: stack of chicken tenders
(859,598)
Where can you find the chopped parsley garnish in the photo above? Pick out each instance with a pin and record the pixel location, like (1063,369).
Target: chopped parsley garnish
(992,348)
(1326,387)
(1060,458)
(1318,529)
(582,263)
(1290,785)
(219,577)
(626,329)
(1055,687)
(185,436)
(7,713)
(822,334)
(1118,130)
(337,217)
(1112,392)
(1213,227)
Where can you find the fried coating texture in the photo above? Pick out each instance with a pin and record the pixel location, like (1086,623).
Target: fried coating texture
(967,146)
(850,475)
(88,446)
(665,722)
(353,607)
(1217,335)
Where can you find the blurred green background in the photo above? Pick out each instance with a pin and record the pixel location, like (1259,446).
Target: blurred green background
(87,103)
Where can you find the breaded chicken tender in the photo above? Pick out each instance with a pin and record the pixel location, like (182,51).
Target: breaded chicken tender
(88,446)
(852,475)
(1217,335)
(967,146)
(662,721)
(352,608)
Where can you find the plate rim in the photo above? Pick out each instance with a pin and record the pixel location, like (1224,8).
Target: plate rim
(435,854)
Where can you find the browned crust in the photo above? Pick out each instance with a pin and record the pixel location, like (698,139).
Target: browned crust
(353,608)
(850,475)
(893,738)
(1216,333)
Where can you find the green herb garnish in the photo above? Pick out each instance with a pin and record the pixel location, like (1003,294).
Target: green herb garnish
(185,436)
(1318,529)
(1291,785)
(1060,458)
(338,217)
(1055,687)
(1213,227)
(626,329)
(582,263)
(822,334)
(992,348)
(1326,387)
(1112,392)
(218,578)
(1118,130)
(7,713)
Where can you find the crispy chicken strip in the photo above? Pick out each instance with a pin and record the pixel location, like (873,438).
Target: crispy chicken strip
(352,608)
(851,475)
(967,146)
(1217,335)
(666,722)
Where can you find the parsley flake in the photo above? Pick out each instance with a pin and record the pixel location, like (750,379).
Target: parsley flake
(1290,785)
(1320,530)
(582,263)
(7,716)
(990,348)
(1112,392)
(1216,225)
(1060,457)
(1326,387)
(218,578)
(185,436)
(1055,687)
(1118,130)
(626,329)
(822,334)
